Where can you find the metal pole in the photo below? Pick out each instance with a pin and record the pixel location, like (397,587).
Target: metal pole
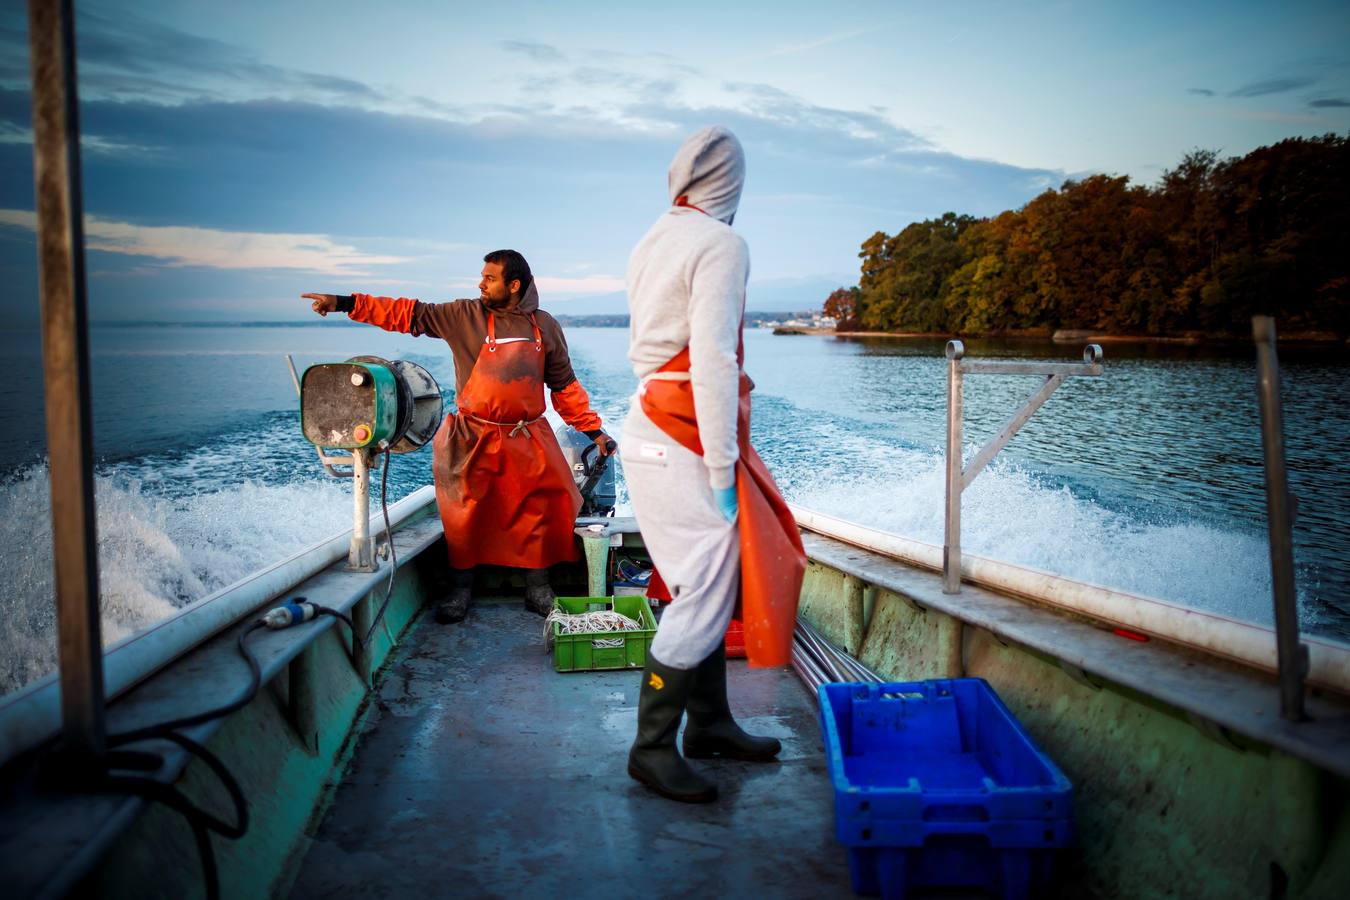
(951,540)
(1291,654)
(65,357)
(361,557)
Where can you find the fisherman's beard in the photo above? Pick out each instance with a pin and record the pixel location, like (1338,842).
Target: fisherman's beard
(497,304)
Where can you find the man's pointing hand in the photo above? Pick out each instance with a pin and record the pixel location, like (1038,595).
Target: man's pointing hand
(323,303)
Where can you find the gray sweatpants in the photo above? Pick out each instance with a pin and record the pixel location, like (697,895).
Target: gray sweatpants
(696,550)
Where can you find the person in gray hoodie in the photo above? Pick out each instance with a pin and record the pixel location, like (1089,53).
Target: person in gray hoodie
(686,294)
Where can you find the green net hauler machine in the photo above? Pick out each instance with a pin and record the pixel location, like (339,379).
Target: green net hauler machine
(367,406)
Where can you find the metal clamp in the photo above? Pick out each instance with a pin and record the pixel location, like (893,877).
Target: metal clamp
(959,478)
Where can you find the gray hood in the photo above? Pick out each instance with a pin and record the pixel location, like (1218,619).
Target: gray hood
(529,302)
(709,169)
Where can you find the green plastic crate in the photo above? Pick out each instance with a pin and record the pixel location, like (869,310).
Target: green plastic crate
(581,653)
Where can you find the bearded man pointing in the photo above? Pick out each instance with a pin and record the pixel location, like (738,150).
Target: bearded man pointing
(505,493)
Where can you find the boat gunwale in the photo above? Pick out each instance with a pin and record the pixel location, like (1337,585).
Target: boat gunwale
(1243,701)
(1250,644)
(95,832)
(31,716)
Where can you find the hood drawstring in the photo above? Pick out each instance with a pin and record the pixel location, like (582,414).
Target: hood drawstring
(683,200)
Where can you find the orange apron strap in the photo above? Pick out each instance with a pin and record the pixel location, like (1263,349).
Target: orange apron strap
(538,338)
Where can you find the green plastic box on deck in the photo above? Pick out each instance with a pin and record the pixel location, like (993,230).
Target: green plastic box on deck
(589,651)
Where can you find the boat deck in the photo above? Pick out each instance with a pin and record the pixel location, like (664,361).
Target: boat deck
(483,772)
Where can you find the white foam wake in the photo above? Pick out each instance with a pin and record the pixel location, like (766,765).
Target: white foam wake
(1010,515)
(155,554)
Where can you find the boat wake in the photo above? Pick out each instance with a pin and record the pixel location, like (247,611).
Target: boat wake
(156,553)
(1013,515)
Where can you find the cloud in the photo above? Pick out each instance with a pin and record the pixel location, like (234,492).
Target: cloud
(542,53)
(790,49)
(1330,103)
(182,246)
(1203,92)
(268,182)
(834,127)
(126,57)
(1272,86)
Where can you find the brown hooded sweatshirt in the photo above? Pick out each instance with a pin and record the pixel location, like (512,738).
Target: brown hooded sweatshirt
(463,324)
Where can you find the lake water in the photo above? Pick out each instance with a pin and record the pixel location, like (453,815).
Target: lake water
(1147,479)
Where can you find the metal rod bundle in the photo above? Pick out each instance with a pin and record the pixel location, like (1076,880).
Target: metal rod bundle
(817,661)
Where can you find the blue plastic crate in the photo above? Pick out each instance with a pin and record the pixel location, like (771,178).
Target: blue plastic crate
(937,784)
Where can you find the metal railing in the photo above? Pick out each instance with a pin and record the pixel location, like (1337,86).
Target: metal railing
(65,355)
(1293,656)
(958,478)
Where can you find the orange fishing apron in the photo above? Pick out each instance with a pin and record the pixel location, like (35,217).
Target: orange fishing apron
(505,493)
(772,558)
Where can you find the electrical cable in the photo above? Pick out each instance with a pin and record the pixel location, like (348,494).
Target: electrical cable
(255,682)
(201,822)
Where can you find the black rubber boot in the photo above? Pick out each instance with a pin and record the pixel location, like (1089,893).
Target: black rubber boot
(711,730)
(455,606)
(654,761)
(538,594)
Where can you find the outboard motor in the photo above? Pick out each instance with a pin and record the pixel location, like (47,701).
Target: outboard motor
(593,474)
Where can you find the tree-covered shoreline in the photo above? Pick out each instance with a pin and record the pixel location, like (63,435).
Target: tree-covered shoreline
(1214,243)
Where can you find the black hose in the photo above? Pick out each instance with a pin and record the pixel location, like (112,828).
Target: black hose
(201,822)
(255,682)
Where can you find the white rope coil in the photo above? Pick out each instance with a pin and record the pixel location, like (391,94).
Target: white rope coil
(597,621)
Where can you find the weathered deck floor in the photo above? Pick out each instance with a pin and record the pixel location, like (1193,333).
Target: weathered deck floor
(485,773)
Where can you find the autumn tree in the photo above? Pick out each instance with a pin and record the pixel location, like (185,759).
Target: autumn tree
(903,281)
(842,306)
(1212,243)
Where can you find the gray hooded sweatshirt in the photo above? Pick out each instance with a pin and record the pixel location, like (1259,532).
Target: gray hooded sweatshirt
(686,288)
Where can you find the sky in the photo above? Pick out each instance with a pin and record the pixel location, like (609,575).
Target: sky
(237,155)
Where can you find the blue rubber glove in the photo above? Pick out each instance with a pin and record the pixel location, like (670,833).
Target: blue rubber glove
(726,502)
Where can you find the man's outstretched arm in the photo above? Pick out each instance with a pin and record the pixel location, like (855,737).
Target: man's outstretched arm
(384,312)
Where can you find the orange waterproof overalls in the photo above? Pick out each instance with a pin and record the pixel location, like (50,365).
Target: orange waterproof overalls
(505,492)
(773,561)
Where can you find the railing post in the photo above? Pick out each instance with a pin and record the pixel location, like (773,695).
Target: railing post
(951,540)
(1292,655)
(361,557)
(65,357)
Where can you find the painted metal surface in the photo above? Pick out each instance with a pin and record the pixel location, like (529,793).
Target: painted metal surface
(1242,642)
(283,747)
(31,715)
(485,773)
